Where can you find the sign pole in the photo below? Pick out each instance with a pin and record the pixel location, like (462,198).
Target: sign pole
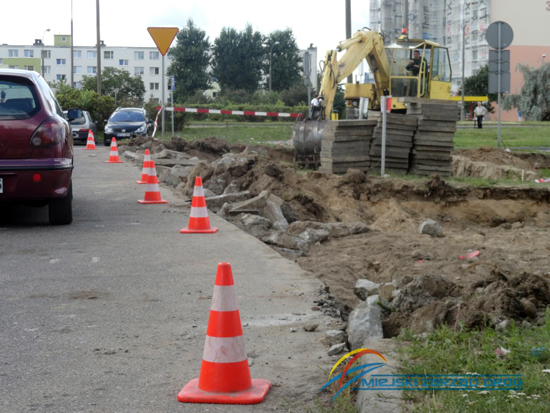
(383,103)
(172,88)
(163,37)
(163,92)
(499,65)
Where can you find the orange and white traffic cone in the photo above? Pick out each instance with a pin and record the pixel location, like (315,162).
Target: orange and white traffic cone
(146,167)
(90,144)
(113,155)
(224,377)
(152,190)
(198,219)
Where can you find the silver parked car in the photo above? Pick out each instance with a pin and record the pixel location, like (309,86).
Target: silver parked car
(81,122)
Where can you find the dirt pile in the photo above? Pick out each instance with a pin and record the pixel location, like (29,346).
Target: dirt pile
(491,264)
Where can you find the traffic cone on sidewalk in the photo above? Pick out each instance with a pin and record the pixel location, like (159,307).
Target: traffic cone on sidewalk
(113,155)
(152,190)
(224,377)
(146,167)
(90,144)
(198,219)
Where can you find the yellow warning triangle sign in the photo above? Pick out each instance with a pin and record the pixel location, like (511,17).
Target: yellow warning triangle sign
(163,37)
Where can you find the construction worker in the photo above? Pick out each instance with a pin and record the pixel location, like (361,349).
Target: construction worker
(415,65)
(315,107)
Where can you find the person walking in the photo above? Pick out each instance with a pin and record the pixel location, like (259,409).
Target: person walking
(480,112)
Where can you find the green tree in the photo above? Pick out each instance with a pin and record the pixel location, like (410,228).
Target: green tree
(285,60)
(100,107)
(238,59)
(478,85)
(190,63)
(127,90)
(534,98)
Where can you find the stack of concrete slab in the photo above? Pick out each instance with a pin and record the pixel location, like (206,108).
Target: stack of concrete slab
(346,144)
(399,141)
(433,140)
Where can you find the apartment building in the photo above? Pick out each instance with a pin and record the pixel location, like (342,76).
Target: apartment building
(56,61)
(462,24)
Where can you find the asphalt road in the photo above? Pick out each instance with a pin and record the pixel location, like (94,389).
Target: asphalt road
(109,314)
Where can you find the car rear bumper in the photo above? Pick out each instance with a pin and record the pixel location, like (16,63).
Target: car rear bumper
(35,179)
(80,136)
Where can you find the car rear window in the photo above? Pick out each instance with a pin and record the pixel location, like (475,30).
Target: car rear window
(128,116)
(18,98)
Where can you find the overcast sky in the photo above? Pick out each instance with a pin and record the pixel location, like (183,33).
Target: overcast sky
(125,22)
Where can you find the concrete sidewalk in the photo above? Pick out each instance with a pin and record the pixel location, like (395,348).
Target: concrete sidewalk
(110,313)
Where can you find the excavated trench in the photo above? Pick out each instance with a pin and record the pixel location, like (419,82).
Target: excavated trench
(425,280)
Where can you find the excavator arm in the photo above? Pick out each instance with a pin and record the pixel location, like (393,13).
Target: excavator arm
(362,45)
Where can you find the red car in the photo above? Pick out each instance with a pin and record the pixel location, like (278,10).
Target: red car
(36,146)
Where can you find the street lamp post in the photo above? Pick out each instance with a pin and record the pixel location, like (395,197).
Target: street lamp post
(270,55)
(42,51)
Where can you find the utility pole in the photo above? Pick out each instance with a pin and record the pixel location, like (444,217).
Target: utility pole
(72,47)
(463,58)
(98,69)
(348,29)
(406,16)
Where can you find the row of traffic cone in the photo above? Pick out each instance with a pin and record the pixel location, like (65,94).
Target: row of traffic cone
(198,219)
(224,375)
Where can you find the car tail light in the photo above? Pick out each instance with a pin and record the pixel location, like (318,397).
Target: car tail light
(50,133)
(37,178)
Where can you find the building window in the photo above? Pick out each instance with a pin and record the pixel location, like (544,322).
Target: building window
(474,55)
(108,54)
(14,67)
(139,55)
(46,54)
(154,55)
(154,71)
(77,54)
(77,85)
(28,53)
(63,39)
(77,70)
(153,86)
(123,62)
(29,67)
(92,70)
(139,70)
(47,70)
(61,62)
(92,54)
(13,53)
(60,77)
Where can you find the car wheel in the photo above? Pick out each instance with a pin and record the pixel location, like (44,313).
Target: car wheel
(61,210)
(107,142)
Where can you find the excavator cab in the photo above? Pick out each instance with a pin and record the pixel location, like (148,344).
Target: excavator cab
(430,79)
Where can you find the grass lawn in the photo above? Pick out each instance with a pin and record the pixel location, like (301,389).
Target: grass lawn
(448,352)
(536,134)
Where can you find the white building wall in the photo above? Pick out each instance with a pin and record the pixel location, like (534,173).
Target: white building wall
(58,64)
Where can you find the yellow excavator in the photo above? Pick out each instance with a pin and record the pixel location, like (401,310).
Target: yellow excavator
(407,68)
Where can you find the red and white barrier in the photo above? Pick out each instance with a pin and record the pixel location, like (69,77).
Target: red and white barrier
(232,112)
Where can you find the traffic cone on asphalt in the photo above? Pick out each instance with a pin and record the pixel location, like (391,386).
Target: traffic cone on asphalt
(113,155)
(224,377)
(198,219)
(146,167)
(152,191)
(90,144)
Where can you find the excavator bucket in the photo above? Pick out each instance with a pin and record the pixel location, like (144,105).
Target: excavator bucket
(307,136)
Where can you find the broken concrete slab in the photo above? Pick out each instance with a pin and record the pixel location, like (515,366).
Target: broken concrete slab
(365,322)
